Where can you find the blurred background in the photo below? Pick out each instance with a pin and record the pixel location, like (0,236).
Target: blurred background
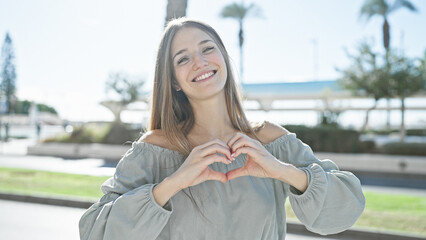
(76,78)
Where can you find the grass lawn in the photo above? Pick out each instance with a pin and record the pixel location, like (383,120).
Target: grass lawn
(404,213)
(383,211)
(35,182)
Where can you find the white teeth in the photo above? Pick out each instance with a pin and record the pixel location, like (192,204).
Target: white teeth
(204,76)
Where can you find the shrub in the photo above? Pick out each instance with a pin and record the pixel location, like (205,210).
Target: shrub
(327,138)
(121,133)
(368,146)
(410,132)
(400,148)
(88,133)
(416,132)
(381,131)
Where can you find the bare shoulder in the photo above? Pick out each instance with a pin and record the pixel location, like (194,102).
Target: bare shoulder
(156,137)
(270,132)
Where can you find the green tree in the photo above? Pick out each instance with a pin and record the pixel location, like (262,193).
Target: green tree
(175,9)
(45,108)
(422,64)
(406,79)
(8,73)
(23,107)
(124,88)
(239,12)
(384,8)
(366,77)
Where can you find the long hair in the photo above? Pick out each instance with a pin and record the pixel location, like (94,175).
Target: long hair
(170,109)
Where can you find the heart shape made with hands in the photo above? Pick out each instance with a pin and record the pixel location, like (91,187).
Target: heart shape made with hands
(250,168)
(260,163)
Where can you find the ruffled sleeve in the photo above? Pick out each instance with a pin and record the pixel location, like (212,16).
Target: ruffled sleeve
(128,207)
(333,200)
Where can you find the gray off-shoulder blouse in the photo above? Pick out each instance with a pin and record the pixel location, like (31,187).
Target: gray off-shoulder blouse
(243,208)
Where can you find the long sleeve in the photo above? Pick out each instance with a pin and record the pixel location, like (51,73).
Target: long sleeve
(333,200)
(128,207)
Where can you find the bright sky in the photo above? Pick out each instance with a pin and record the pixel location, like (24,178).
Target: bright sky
(65,50)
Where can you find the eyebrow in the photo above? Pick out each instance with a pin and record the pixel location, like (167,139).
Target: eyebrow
(183,50)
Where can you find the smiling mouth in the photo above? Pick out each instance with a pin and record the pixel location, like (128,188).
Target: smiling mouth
(204,76)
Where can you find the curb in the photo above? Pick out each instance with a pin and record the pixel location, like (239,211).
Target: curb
(292,227)
(64,202)
(354,233)
(108,152)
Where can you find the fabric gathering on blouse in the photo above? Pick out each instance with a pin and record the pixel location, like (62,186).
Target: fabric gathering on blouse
(243,208)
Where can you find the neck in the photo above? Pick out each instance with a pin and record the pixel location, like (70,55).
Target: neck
(211,120)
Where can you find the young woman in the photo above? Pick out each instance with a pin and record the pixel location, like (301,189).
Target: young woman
(204,172)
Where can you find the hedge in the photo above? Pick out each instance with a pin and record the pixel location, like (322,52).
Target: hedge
(403,148)
(329,139)
(109,133)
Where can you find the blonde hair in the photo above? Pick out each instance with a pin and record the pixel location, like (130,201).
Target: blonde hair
(170,109)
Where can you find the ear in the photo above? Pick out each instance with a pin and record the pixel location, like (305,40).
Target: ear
(177,87)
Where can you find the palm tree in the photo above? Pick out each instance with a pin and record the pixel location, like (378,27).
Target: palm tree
(383,8)
(175,9)
(239,12)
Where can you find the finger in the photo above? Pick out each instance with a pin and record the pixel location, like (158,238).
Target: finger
(247,150)
(215,141)
(214,175)
(242,142)
(214,158)
(239,172)
(237,136)
(216,148)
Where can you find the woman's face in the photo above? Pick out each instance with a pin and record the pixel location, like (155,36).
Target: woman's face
(198,64)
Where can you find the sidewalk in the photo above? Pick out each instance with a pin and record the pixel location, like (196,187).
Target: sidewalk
(13,155)
(89,166)
(16,146)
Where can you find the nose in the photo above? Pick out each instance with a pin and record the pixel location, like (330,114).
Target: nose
(199,61)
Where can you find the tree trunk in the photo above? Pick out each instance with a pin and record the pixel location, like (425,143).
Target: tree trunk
(402,128)
(175,9)
(364,127)
(386,42)
(386,35)
(388,114)
(241,43)
(116,108)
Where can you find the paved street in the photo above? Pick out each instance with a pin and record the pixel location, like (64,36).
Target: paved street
(38,222)
(44,222)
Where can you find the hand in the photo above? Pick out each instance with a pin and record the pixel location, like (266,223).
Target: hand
(195,168)
(260,163)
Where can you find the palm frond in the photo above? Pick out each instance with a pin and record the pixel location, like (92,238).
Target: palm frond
(255,11)
(234,10)
(402,4)
(371,8)
(240,11)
